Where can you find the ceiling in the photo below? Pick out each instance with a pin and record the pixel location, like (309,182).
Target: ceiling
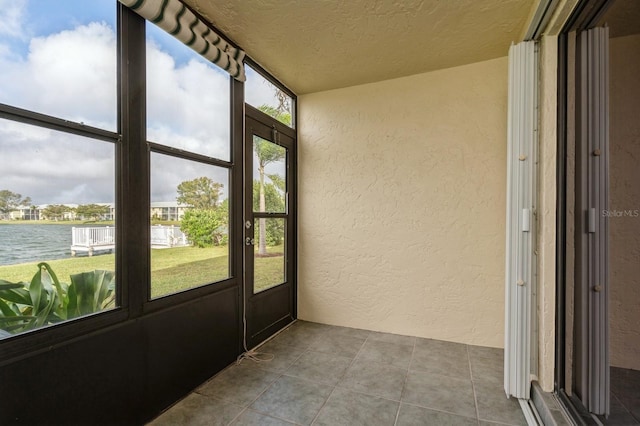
(317,45)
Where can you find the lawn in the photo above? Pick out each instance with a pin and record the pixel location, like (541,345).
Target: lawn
(172,269)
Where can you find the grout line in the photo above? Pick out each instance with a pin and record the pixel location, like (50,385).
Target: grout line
(406,378)
(473,385)
(323,405)
(441,411)
(238,415)
(340,378)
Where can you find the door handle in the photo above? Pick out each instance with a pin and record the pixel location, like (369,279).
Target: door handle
(249,241)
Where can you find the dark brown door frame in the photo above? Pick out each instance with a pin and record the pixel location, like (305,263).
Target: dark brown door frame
(270,310)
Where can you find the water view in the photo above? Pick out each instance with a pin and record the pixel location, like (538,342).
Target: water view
(34,243)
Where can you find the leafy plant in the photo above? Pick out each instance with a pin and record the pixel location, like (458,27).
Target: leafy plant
(205,227)
(45,300)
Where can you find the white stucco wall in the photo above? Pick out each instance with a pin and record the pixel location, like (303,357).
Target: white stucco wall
(624,195)
(402,205)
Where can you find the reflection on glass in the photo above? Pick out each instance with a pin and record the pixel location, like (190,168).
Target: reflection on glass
(262,94)
(59,58)
(189,217)
(269,254)
(270,179)
(56,227)
(187,98)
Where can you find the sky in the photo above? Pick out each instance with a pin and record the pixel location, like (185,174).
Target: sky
(59,58)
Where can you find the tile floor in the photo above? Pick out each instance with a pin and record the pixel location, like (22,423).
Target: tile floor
(326,375)
(625,398)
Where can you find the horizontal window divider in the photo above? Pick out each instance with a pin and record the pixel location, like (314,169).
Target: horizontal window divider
(265,215)
(269,121)
(54,123)
(45,339)
(188,155)
(190,295)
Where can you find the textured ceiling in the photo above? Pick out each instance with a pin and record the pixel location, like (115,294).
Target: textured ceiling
(623,18)
(315,45)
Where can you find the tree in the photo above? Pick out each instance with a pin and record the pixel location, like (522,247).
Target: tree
(94,211)
(55,211)
(267,153)
(280,113)
(200,193)
(274,202)
(10,201)
(205,227)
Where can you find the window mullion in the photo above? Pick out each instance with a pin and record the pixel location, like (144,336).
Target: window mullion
(133,166)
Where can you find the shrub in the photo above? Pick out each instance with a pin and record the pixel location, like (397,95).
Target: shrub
(205,227)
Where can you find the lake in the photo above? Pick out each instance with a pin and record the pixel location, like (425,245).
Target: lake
(34,243)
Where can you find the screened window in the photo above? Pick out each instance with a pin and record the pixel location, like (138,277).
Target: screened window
(264,95)
(188,127)
(189,231)
(59,58)
(187,98)
(57,187)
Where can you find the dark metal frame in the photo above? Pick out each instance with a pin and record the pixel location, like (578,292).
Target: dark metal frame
(268,311)
(585,15)
(132,158)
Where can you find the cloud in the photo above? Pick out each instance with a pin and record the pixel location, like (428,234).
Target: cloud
(55,167)
(71,74)
(187,104)
(11,17)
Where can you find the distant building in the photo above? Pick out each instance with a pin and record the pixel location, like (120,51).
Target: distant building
(162,210)
(167,210)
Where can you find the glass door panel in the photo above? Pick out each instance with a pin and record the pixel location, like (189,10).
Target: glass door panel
(269,265)
(269,288)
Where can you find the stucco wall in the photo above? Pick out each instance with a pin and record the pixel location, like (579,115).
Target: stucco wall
(402,204)
(625,196)
(547,197)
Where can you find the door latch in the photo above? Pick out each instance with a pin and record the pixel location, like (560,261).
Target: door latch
(249,241)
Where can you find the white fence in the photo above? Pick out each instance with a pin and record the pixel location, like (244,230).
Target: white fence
(103,238)
(92,239)
(167,236)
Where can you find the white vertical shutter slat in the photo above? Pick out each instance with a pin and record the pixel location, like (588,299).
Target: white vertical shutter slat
(521,218)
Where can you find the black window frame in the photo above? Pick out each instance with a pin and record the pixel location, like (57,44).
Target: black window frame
(132,195)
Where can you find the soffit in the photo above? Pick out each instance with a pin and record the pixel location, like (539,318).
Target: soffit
(319,45)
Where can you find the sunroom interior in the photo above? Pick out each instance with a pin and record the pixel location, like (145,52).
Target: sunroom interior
(389,125)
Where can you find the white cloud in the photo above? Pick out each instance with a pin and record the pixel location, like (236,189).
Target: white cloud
(188,105)
(11,17)
(72,74)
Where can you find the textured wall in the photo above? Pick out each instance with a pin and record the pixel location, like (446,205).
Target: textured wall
(547,196)
(402,204)
(625,195)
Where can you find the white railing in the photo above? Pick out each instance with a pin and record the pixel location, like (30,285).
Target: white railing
(93,237)
(167,236)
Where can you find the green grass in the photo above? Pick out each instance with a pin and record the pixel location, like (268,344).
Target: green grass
(172,270)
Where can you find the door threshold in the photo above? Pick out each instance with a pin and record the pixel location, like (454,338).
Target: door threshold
(530,412)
